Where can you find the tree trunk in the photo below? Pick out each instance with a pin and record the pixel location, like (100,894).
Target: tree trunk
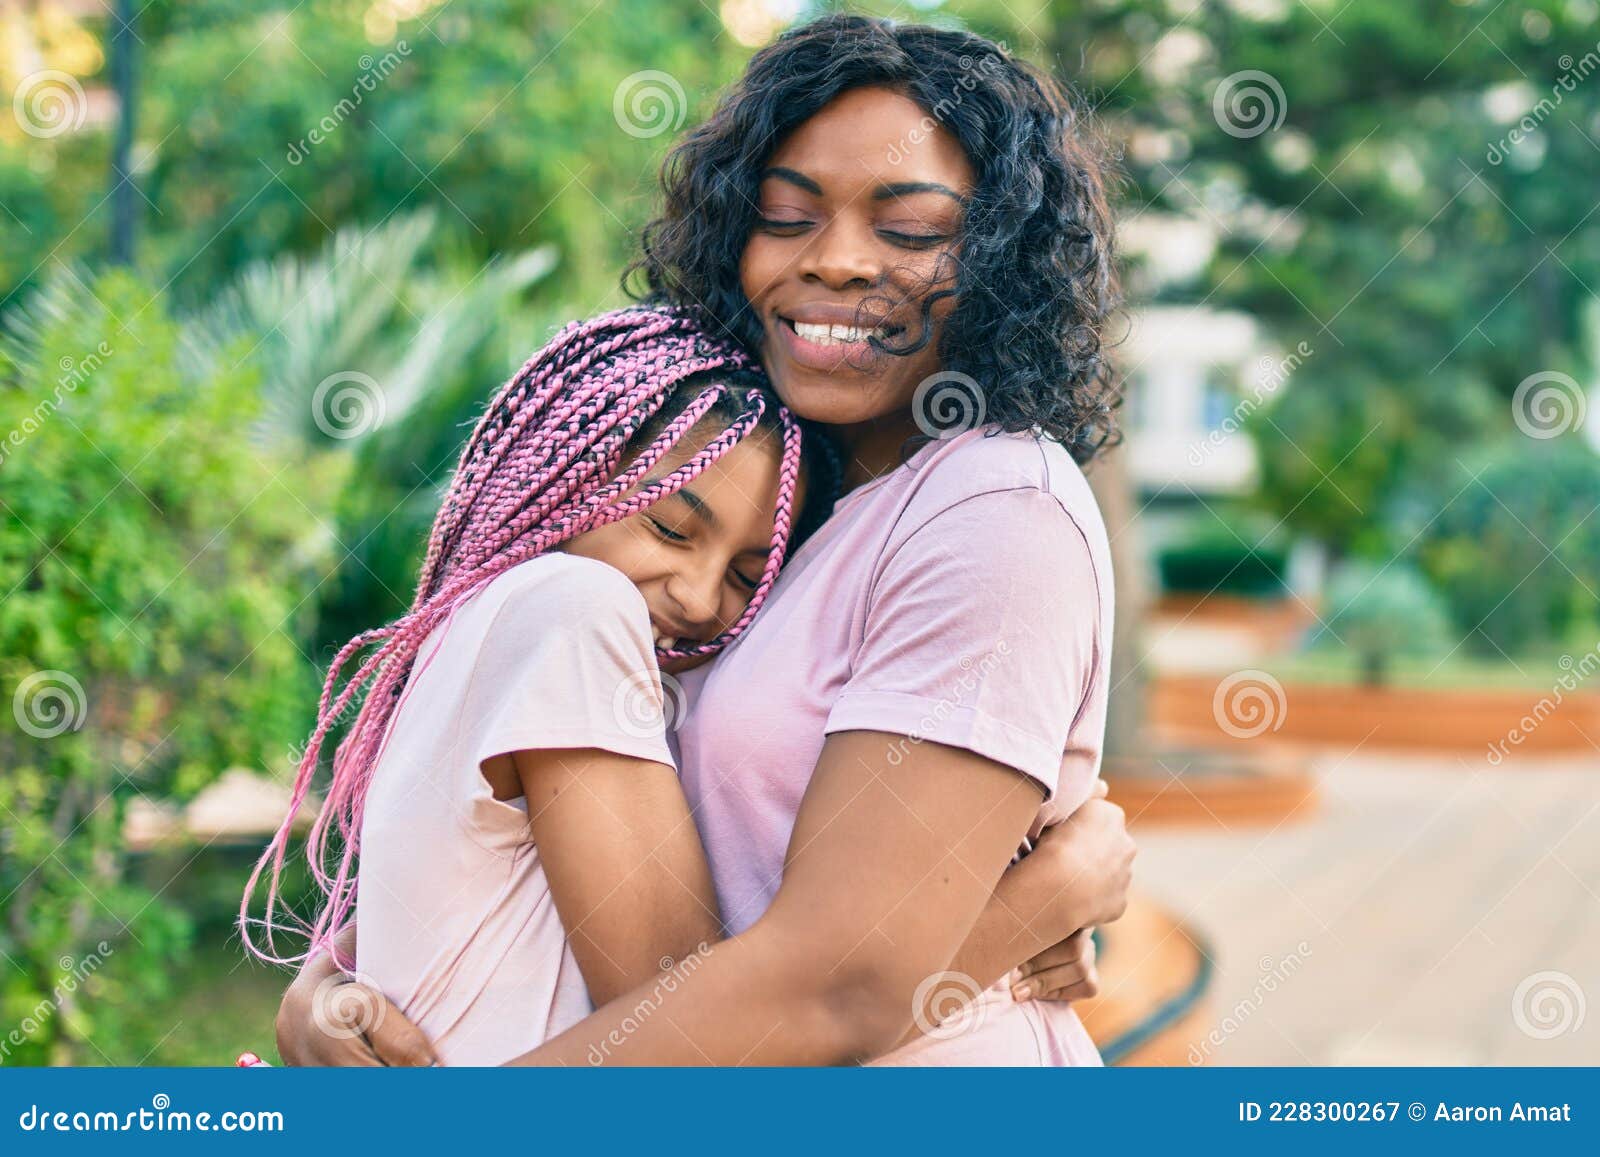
(1126,711)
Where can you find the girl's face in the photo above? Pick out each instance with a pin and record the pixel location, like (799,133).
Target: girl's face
(697,556)
(862,203)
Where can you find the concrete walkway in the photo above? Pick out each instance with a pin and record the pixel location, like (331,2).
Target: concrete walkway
(1433,910)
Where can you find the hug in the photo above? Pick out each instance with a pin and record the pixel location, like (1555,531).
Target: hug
(748,707)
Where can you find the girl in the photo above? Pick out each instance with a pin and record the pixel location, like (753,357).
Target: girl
(882,212)
(524,845)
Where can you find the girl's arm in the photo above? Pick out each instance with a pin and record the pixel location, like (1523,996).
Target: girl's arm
(624,861)
(892,860)
(626,871)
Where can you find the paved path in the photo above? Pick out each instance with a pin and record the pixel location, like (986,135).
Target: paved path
(1396,924)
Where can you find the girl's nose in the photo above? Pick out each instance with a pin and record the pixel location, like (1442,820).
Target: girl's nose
(698,600)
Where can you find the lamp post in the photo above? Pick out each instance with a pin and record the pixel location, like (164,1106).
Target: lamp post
(123,204)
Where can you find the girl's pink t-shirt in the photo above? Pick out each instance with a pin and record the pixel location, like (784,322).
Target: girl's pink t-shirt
(455,921)
(964,598)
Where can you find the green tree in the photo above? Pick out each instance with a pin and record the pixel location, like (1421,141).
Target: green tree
(266,127)
(1407,188)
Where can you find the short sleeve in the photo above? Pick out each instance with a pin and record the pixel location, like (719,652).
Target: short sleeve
(568,661)
(982,633)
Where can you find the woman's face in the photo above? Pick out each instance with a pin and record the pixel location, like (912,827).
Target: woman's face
(862,203)
(698,554)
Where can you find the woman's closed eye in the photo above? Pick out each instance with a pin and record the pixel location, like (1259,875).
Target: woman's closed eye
(915,240)
(784,226)
(907,239)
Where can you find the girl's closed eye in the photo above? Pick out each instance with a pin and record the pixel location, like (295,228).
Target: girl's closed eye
(664,530)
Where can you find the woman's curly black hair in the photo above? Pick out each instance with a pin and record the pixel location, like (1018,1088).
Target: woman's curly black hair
(1034,282)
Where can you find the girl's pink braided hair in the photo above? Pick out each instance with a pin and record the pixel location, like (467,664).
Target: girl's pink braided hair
(542,466)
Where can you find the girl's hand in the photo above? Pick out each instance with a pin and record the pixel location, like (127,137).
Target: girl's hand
(1075,878)
(329,1018)
(1081,868)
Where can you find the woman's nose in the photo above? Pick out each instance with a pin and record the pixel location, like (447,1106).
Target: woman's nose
(840,258)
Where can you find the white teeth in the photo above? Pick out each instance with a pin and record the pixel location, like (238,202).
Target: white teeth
(834,334)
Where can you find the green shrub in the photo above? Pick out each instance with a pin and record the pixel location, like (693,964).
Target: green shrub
(1380,614)
(1513,544)
(1223,555)
(155,558)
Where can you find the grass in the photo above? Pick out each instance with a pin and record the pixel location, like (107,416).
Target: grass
(1457,672)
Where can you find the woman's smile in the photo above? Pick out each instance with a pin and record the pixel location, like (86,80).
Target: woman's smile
(829,338)
(853,236)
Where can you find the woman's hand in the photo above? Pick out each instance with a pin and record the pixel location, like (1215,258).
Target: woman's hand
(1064,971)
(330,1018)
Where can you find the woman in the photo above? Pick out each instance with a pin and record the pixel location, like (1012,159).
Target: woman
(879,212)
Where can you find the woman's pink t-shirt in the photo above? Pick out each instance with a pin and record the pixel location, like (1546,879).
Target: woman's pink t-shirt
(965,599)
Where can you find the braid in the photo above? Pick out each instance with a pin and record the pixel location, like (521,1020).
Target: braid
(542,465)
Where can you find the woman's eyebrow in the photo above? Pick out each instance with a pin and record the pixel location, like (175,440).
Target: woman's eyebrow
(797,179)
(906,188)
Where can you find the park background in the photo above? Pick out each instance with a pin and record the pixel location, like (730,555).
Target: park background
(261,261)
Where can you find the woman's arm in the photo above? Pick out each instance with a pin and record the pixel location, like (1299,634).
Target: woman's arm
(892,859)
(354,1026)
(1076,876)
